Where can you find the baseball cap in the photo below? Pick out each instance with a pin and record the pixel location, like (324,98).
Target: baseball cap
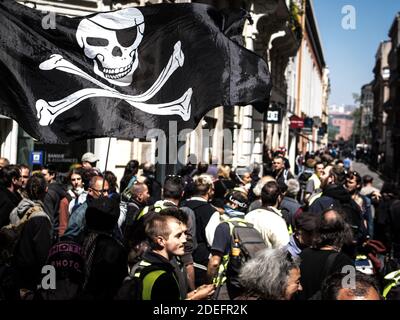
(89,157)
(238,198)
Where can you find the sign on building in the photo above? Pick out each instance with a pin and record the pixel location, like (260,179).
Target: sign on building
(36,157)
(273,115)
(296,122)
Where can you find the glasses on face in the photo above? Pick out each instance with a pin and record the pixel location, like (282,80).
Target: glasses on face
(103,191)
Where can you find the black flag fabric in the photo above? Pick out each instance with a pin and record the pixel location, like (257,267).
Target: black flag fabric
(121,73)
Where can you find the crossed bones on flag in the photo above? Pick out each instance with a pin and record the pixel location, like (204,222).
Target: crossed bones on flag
(48,111)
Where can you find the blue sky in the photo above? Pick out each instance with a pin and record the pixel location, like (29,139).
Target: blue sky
(350,54)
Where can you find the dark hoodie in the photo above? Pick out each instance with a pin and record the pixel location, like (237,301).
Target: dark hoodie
(32,248)
(105,256)
(336,196)
(332,196)
(8,201)
(52,201)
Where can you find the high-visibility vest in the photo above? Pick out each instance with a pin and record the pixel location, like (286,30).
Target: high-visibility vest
(394,278)
(156,207)
(149,279)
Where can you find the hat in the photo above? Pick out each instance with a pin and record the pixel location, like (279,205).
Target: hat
(238,198)
(102,214)
(89,157)
(67,259)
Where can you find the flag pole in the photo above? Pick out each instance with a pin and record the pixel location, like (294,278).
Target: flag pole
(108,152)
(105,167)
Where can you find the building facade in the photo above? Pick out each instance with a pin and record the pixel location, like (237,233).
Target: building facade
(366,108)
(392,105)
(310,88)
(341,122)
(382,144)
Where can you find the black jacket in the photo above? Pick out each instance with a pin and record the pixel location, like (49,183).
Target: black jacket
(31,251)
(105,257)
(339,197)
(203,212)
(8,201)
(108,269)
(166,286)
(52,202)
(154,189)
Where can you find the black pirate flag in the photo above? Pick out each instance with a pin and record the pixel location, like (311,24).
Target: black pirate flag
(123,72)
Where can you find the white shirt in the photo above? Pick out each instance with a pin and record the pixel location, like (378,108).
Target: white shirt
(271,225)
(212,225)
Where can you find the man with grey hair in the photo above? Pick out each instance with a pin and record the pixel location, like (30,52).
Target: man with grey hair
(273,275)
(289,205)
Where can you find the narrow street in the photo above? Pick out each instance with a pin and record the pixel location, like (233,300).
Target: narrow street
(363,169)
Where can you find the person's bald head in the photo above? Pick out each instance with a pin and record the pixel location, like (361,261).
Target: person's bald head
(140,192)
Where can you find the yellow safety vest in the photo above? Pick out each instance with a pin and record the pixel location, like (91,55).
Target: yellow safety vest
(394,278)
(149,279)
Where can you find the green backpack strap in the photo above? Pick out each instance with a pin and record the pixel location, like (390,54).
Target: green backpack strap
(148,274)
(148,283)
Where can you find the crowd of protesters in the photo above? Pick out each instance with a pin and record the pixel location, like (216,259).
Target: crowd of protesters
(145,240)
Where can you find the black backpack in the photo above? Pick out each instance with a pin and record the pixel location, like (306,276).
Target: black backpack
(250,243)
(132,287)
(303,178)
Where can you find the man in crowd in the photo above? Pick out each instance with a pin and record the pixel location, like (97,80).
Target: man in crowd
(281,173)
(98,187)
(89,160)
(268,219)
(4,162)
(10,183)
(56,192)
(167,240)
(364,287)
(203,211)
(314,182)
(25,174)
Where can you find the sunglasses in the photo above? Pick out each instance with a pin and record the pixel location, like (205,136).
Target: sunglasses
(100,191)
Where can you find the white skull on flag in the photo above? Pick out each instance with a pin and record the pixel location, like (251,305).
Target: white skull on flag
(107,39)
(111,40)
